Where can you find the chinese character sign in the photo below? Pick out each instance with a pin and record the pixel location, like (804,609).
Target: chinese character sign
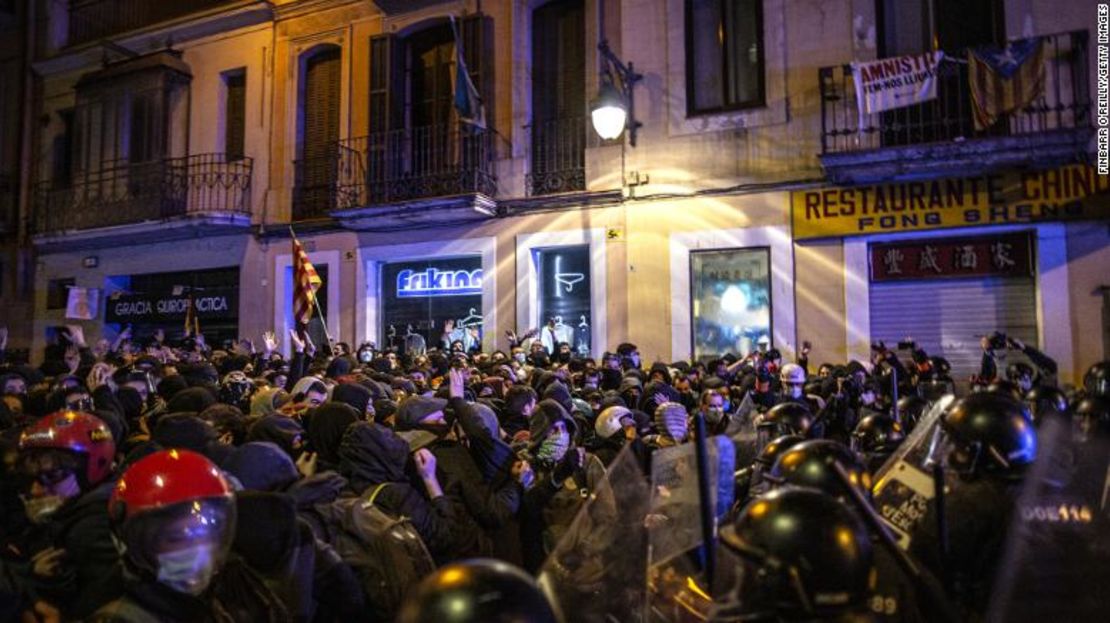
(1009,255)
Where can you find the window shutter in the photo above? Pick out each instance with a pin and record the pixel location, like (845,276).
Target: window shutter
(321,117)
(386,84)
(236,122)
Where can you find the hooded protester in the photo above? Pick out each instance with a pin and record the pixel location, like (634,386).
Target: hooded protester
(283,431)
(309,577)
(671,421)
(325,432)
(267,401)
(565,476)
(357,396)
(371,454)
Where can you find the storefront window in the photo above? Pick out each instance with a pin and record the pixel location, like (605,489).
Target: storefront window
(731,300)
(432,304)
(564,285)
(154,301)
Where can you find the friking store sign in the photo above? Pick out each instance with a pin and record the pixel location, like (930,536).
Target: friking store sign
(435,282)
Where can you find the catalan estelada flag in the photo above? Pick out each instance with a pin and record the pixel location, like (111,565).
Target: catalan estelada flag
(305,284)
(1004,79)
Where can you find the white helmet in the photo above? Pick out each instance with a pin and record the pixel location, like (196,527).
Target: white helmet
(792,373)
(609,422)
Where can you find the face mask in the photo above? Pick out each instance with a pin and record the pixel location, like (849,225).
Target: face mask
(188,570)
(554,447)
(714,415)
(40,509)
(519,357)
(635,361)
(794,391)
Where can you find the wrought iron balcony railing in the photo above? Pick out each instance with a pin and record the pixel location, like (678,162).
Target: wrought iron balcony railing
(90,20)
(1064,104)
(123,193)
(395,166)
(558,161)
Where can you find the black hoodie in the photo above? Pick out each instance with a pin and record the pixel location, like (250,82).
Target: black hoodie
(325,432)
(371,454)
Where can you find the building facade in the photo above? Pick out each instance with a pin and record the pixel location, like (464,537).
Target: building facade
(175,148)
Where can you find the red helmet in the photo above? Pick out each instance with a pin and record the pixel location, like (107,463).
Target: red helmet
(164,479)
(171,503)
(80,433)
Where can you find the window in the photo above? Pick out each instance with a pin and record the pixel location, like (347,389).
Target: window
(235,113)
(724,55)
(432,304)
(564,282)
(57,292)
(731,301)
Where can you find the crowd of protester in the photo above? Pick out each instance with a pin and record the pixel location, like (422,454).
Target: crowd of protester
(144,481)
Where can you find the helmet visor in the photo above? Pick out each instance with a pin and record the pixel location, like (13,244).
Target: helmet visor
(207,523)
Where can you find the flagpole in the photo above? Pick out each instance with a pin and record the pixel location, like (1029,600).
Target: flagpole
(316,306)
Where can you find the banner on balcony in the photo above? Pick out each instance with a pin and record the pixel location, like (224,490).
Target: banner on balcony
(83,303)
(1071,193)
(890,83)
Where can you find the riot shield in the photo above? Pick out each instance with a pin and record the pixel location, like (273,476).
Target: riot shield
(742,430)
(1056,565)
(904,485)
(678,588)
(595,573)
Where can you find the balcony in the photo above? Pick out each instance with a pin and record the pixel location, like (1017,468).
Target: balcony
(90,20)
(397,171)
(558,161)
(939,138)
(156,200)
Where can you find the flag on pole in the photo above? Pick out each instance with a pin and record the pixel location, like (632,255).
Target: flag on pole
(468,102)
(305,284)
(1004,79)
(192,321)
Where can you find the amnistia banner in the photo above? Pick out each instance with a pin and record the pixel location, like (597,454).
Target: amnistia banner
(890,83)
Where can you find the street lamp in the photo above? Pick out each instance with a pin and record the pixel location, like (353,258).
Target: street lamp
(613,111)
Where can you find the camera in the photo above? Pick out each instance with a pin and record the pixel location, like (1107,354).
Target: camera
(878,347)
(907,344)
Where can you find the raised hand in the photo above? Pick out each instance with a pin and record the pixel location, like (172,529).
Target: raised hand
(269,342)
(296,341)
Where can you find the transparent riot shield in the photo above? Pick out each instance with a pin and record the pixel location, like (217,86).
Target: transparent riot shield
(678,588)
(596,572)
(1056,563)
(742,430)
(904,485)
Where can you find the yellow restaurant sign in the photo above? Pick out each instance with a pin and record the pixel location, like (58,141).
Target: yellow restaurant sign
(1074,192)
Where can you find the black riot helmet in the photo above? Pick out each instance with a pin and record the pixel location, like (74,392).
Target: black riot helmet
(877,432)
(811,464)
(787,418)
(771,451)
(876,437)
(479,590)
(1021,374)
(1044,401)
(911,409)
(1092,417)
(805,555)
(990,432)
(1097,380)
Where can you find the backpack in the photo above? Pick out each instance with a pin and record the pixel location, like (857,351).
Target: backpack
(386,553)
